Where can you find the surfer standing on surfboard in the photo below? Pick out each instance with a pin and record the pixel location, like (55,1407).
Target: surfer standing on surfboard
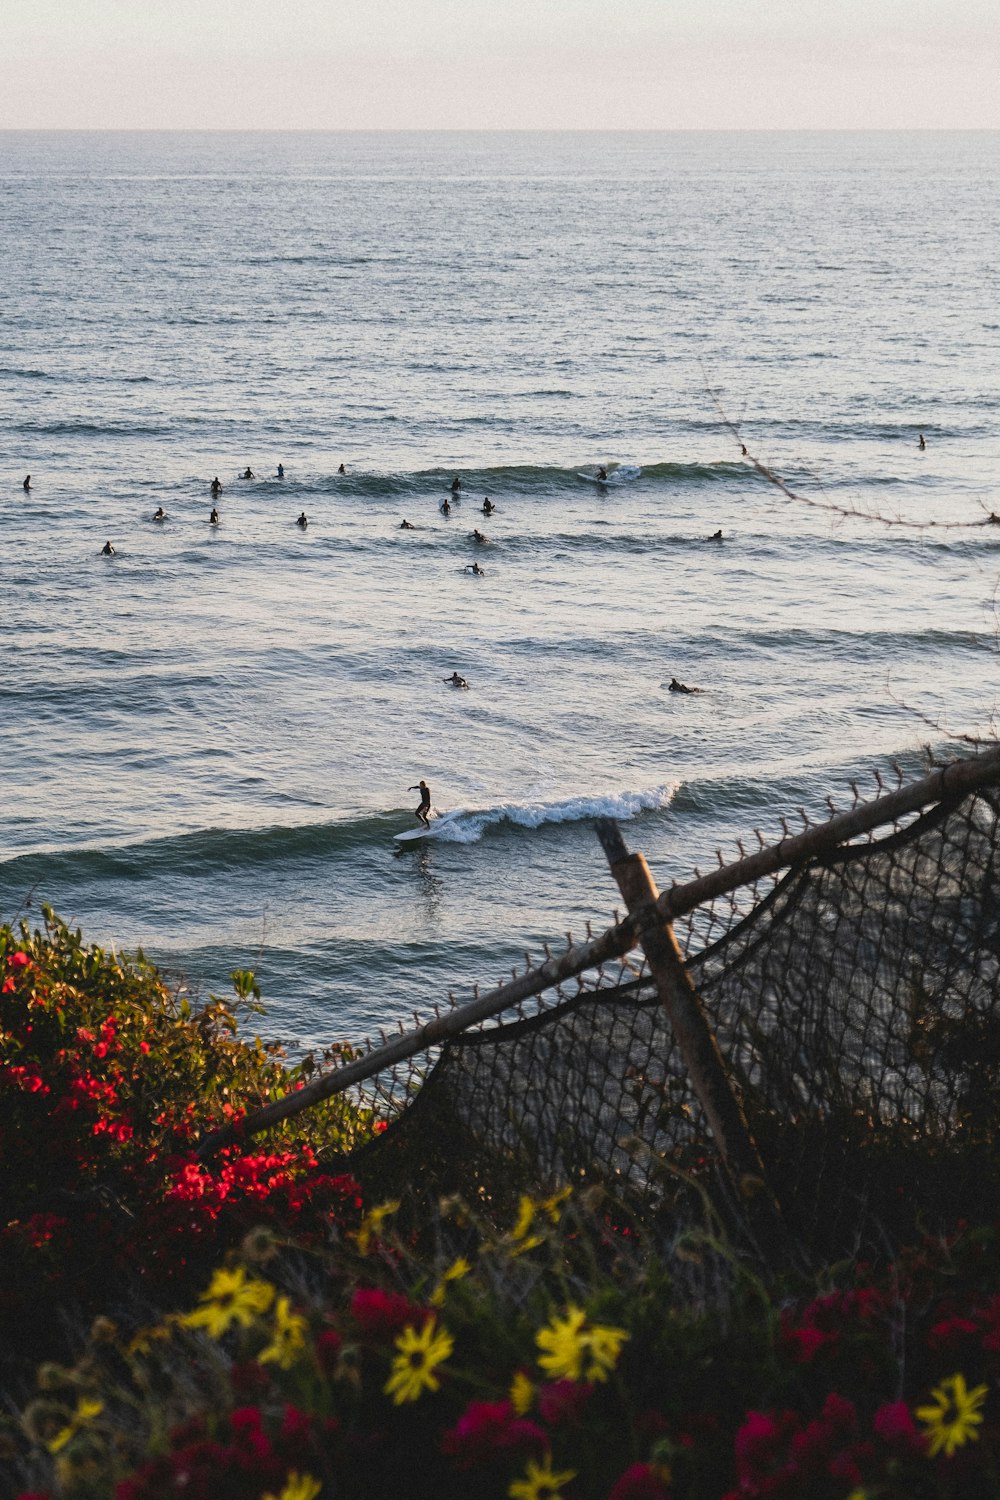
(423,811)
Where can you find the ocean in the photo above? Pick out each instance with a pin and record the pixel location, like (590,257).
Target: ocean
(207,739)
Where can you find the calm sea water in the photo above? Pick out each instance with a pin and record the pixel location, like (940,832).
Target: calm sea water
(206,740)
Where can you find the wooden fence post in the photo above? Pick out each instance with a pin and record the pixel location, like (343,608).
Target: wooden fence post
(696,1041)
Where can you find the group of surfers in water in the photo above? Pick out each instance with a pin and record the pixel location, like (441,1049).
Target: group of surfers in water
(215,489)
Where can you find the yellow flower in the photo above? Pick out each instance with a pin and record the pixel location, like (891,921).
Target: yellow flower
(372,1223)
(85,1412)
(525,1219)
(419,1356)
(230,1298)
(605,1347)
(552,1207)
(952,1422)
(572,1349)
(540,1483)
(458,1268)
(298,1487)
(288,1339)
(521,1394)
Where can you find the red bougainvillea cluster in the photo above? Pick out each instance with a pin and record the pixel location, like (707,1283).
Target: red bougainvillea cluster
(107,1083)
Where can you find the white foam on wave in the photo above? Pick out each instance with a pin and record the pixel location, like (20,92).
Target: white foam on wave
(620,475)
(466,825)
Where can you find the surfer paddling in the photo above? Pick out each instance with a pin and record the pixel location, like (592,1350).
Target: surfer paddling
(475,569)
(454,681)
(423,811)
(680,687)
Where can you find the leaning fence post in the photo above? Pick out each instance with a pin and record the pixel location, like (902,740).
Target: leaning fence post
(698,1046)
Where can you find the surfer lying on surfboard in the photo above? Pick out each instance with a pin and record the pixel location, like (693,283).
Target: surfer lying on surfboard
(456,681)
(423,811)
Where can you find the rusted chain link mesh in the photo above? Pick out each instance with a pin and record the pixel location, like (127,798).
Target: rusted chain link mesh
(857,1008)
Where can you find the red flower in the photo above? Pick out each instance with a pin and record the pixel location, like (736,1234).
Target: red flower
(486,1428)
(759,1439)
(640,1482)
(950,1331)
(382,1315)
(563,1401)
(803,1344)
(894,1424)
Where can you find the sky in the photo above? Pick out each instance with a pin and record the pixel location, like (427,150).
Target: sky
(500,64)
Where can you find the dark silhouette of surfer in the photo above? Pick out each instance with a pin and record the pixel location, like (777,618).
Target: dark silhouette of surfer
(455,681)
(445,506)
(159,514)
(920,443)
(477,536)
(108,551)
(407,526)
(680,687)
(423,811)
(281,471)
(216,486)
(602,474)
(248,473)
(716,536)
(456,485)
(488,506)
(213,519)
(474,568)
(27,482)
(342,470)
(303,521)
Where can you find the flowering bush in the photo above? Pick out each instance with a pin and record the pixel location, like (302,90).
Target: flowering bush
(551,1361)
(107,1083)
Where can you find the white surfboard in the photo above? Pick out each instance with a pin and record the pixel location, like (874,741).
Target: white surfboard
(436,826)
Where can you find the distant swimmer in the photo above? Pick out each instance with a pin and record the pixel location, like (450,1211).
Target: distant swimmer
(743,450)
(456,485)
(342,470)
(602,473)
(446,506)
(920,443)
(407,526)
(248,473)
(716,536)
(455,681)
(108,551)
(488,506)
(213,519)
(475,568)
(477,536)
(27,482)
(303,521)
(680,687)
(216,486)
(423,811)
(281,471)
(159,514)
